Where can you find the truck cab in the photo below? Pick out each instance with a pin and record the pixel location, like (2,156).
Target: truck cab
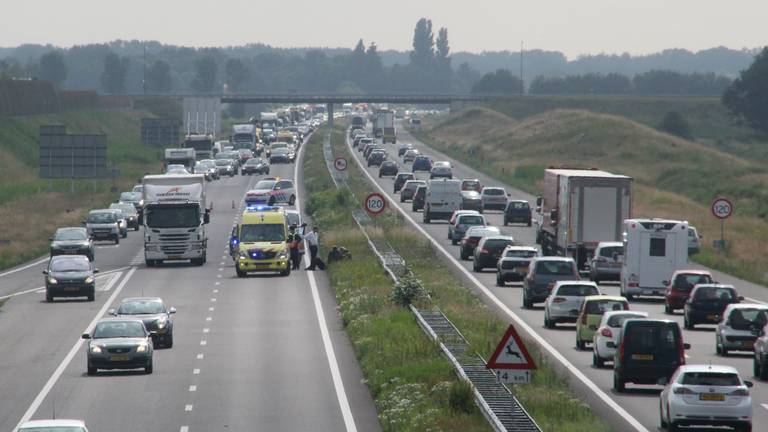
(260,241)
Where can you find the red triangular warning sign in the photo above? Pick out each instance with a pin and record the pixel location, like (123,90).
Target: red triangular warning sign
(511,353)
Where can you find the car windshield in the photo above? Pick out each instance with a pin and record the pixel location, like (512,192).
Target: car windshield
(265,184)
(70,234)
(687,281)
(102,218)
(712,293)
(617,320)
(52,429)
(471,220)
(599,307)
(494,192)
(129,196)
(124,208)
(577,290)
(242,137)
(253,162)
(555,268)
(746,319)
(173,217)
(140,307)
(520,254)
(251,233)
(713,379)
(118,329)
(71,265)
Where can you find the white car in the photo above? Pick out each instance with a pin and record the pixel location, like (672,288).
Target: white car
(493,198)
(740,327)
(609,330)
(271,191)
(712,395)
(53,425)
(565,300)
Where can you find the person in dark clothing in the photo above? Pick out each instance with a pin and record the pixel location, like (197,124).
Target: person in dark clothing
(294,242)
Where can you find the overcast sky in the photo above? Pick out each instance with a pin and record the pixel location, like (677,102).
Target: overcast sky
(572,26)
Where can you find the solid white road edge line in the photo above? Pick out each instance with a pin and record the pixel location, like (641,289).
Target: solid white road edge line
(18,269)
(338,384)
(68,359)
(540,340)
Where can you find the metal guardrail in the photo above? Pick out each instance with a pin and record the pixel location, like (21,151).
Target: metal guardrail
(497,403)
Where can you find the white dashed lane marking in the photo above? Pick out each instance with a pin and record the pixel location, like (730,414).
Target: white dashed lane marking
(203,343)
(193,388)
(200,356)
(196,371)
(188,407)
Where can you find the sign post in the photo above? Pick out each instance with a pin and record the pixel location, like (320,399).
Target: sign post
(375,204)
(722,208)
(511,361)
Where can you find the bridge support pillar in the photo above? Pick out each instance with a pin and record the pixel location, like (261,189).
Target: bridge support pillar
(329,109)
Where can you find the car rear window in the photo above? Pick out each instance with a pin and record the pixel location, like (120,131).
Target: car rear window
(599,307)
(650,337)
(687,281)
(554,268)
(712,293)
(512,264)
(520,254)
(577,290)
(493,191)
(745,319)
(610,250)
(471,220)
(617,320)
(497,243)
(710,379)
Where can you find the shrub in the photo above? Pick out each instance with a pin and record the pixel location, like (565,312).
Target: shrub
(406,290)
(675,124)
(460,398)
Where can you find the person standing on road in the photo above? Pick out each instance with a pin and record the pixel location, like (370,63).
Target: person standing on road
(294,240)
(312,241)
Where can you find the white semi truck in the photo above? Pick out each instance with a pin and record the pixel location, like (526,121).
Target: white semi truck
(581,208)
(175,216)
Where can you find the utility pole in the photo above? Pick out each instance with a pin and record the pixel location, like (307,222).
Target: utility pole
(522,83)
(144,80)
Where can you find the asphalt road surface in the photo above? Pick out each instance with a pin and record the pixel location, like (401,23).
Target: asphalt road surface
(635,410)
(257,353)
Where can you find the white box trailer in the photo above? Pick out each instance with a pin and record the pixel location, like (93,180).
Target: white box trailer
(653,250)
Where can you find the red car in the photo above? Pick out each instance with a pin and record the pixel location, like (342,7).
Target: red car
(680,285)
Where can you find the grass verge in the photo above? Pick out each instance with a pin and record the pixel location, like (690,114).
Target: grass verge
(403,357)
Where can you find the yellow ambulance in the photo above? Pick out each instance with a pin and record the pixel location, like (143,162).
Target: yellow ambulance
(260,241)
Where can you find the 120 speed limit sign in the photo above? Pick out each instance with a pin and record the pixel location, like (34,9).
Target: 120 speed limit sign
(375,203)
(722,208)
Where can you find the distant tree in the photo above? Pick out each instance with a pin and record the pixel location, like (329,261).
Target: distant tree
(235,73)
(373,69)
(747,97)
(464,78)
(675,124)
(423,52)
(159,77)
(206,70)
(502,81)
(115,71)
(443,69)
(52,68)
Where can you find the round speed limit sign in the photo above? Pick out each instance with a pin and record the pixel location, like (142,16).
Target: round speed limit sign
(375,203)
(340,164)
(722,208)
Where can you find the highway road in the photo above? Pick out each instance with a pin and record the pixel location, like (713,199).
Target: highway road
(635,410)
(257,353)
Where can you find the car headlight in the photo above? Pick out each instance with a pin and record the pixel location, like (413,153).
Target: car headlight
(95,349)
(89,280)
(142,348)
(52,281)
(162,322)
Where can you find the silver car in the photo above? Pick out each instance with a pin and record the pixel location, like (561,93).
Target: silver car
(513,263)
(493,198)
(103,224)
(606,262)
(119,343)
(441,169)
(740,327)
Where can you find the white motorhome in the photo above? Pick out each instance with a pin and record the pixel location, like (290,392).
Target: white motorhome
(180,156)
(443,197)
(653,250)
(174,218)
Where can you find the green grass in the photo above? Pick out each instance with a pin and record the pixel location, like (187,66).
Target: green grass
(548,398)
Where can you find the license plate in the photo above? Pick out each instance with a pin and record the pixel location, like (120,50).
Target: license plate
(521,269)
(642,356)
(175,257)
(119,358)
(437,204)
(71,289)
(712,397)
(260,264)
(713,317)
(747,344)
(72,252)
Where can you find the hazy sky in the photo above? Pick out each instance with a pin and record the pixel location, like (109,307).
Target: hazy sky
(571,26)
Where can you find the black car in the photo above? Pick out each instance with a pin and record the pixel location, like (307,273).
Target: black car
(387,168)
(376,158)
(707,303)
(255,166)
(280,155)
(72,241)
(488,251)
(403,148)
(119,343)
(409,189)
(400,180)
(70,276)
(418,198)
(129,213)
(153,313)
(650,350)
(226,167)
(518,211)
(422,163)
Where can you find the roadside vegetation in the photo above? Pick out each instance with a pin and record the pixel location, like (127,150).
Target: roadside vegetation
(31,208)
(674,177)
(398,359)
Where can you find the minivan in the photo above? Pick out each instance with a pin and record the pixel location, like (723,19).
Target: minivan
(103,224)
(649,352)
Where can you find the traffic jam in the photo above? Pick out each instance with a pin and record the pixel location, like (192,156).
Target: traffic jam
(170,211)
(588,266)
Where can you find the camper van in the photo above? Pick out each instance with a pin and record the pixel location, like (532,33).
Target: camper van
(653,250)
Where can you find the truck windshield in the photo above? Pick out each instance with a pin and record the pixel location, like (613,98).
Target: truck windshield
(262,233)
(242,137)
(173,217)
